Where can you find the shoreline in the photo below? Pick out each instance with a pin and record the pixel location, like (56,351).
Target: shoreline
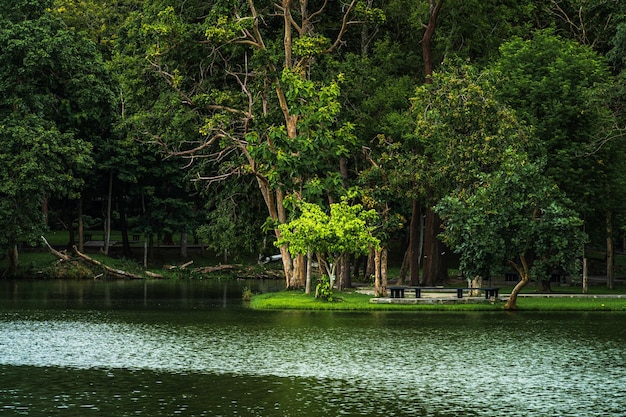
(363,300)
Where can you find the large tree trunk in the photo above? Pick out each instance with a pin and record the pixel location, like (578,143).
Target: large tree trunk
(379,291)
(299,272)
(434,266)
(276,210)
(383,269)
(414,242)
(345,278)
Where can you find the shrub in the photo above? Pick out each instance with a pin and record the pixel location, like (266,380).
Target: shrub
(324,291)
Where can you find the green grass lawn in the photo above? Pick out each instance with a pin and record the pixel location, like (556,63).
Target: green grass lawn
(353,301)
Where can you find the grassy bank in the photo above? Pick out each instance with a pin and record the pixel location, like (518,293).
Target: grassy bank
(42,264)
(353,301)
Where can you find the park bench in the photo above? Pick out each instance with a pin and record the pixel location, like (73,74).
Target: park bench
(398,291)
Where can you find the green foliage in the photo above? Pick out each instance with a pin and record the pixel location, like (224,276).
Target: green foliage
(347,229)
(233,223)
(246,294)
(310,45)
(461,127)
(475,29)
(513,215)
(295,161)
(53,99)
(617,54)
(324,289)
(368,13)
(556,86)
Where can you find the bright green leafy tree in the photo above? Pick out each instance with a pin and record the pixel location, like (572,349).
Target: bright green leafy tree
(348,229)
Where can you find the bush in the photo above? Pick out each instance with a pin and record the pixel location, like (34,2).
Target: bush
(246,294)
(324,291)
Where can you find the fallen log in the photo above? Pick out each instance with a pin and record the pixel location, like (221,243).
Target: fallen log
(154,275)
(208,269)
(183,266)
(119,273)
(60,255)
(115,272)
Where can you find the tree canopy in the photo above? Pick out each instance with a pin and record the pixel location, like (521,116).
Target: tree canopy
(514,217)
(54,101)
(162,117)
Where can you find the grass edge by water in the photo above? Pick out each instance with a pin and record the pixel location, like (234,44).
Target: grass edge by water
(354,301)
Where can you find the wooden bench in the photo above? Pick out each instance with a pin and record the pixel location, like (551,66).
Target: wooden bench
(398,291)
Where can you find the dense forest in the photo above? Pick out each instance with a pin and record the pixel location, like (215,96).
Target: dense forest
(349,129)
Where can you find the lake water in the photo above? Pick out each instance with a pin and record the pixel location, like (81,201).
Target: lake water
(190,348)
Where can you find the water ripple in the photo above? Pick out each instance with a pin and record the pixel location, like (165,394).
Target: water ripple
(479,365)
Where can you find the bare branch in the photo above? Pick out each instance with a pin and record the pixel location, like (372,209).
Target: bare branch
(319,11)
(610,134)
(199,148)
(344,26)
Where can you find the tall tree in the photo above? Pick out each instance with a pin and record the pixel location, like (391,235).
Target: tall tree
(460,130)
(513,216)
(54,98)
(559,87)
(254,84)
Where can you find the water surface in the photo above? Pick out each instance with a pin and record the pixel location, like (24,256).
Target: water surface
(190,348)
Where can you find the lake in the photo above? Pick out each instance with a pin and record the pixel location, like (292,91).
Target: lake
(191,348)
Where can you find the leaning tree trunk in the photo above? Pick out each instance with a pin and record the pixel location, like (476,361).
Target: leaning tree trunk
(511,303)
(524,274)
